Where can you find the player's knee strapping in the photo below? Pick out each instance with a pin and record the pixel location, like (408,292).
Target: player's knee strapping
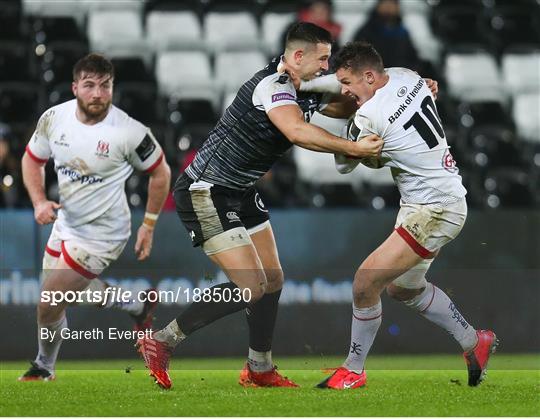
(414,278)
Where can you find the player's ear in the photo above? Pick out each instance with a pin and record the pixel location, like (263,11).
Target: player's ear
(74,88)
(298,55)
(370,77)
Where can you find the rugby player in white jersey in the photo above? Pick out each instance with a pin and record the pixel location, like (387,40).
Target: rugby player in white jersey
(397,105)
(95,147)
(219,205)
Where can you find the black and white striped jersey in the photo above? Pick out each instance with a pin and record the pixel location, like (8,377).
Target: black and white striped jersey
(244,144)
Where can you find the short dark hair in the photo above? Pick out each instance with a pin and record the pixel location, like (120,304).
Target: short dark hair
(358,55)
(93,64)
(307,32)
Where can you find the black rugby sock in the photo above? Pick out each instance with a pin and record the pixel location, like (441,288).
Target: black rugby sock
(201,313)
(261,317)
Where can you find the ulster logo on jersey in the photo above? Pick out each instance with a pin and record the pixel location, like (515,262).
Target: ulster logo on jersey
(102,149)
(448,162)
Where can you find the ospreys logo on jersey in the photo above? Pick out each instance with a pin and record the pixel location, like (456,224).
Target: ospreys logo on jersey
(102,149)
(259,203)
(145,148)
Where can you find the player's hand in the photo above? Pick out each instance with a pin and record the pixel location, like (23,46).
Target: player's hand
(369,146)
(433,86)
(44,212)
(143,246)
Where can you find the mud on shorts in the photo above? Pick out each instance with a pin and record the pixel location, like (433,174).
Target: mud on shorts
(427,228)
(87,257)
(219,218)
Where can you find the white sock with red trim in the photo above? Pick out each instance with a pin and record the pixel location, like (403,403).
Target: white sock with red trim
(365,323)
(49,341)
(436,306)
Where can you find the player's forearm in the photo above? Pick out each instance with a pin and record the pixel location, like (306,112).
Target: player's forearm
(158,188)
(324,84)
(314,138)
(34,179)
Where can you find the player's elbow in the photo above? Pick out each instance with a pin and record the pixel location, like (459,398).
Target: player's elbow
(296,134)
(162,173)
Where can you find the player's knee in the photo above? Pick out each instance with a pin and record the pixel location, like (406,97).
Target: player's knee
(47,313)
(274,279)
(257,291)
(402,294)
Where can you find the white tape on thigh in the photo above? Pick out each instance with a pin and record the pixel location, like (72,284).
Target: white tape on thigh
(259,227)
(229,239)
(414,278)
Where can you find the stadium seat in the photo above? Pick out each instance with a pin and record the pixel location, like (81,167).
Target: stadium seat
(15,61)
(350,23)
(526,111)
(234,68)
(13,28)
(186,74)
(58,61)
(76,9)
(59,93)
(427,45)
(183,112)
(169,30)
(483,113)
(131,69)
(172,6)
(474,77)
(348,6)
(19,102)
(515,24)
(224,31)
(273,25)
(521,72)
(508,188)
(449,23)
(139,100)
(115,28)
(50,29)
(420,7)
(493,146)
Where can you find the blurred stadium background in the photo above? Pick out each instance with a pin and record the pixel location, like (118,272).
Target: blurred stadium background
(179,64)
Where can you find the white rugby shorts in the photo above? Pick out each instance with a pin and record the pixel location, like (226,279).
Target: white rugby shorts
(427,228)
(87,257)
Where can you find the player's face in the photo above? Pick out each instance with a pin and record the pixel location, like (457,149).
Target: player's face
(315,61)
(94,94)
(355,85)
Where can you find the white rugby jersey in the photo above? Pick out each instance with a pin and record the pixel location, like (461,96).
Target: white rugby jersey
(92,163)
(404,115)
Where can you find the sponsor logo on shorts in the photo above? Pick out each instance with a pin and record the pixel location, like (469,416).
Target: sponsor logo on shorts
(276,97)
(232,216)
(259,203)
(237,236)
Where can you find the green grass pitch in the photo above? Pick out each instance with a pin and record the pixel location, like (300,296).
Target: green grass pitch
(397,386)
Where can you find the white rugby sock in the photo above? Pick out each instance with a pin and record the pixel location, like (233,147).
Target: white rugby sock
(48,348)
(260,361)
(170,334)
(365,323)
(436,306)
